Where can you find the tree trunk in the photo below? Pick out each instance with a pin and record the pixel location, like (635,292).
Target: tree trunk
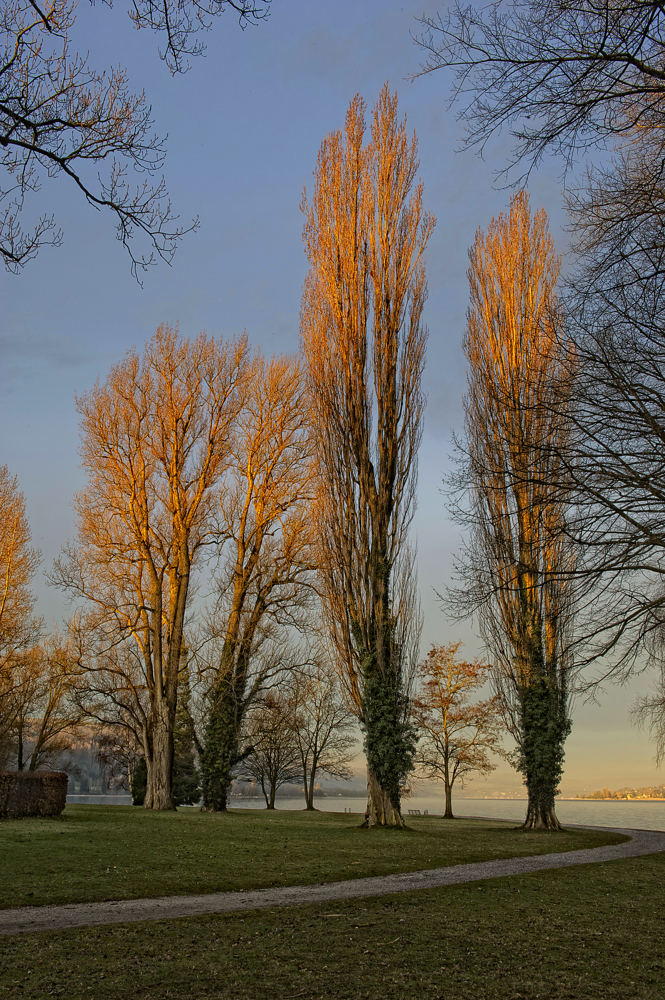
(159,794)
(544,727)
(20,763)
(541,815)
(448,814)
(147,798)
(309,791)
(380,810)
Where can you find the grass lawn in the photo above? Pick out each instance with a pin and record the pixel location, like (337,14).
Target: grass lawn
(592,933)
(119,852)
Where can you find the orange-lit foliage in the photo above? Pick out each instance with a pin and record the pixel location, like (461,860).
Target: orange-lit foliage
(516,431)
(18,562)
(457,736)
(364,343)
(156,441)
(19,627)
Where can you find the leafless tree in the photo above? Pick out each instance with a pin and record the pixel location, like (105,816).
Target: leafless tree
(61,117)
(266,541)
(272,757)
(47,719)
(649,712)
(180,21)
(563,78)
(570,80)
(517,566)
(364,341)
(323,725)
(114,700)
(19,626)
(156,442)
(118,756)
(18,562)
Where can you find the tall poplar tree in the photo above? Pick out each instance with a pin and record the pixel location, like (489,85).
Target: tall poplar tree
(518,564)
(364,342)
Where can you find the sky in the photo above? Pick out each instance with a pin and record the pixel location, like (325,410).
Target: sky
(244,127)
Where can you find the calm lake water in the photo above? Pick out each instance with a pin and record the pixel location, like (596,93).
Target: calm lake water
(637,814)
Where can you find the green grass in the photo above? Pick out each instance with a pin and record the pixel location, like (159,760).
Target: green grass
(117,852)
(592,933)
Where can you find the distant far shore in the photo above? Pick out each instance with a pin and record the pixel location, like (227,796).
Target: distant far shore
(643,793)
(614,798)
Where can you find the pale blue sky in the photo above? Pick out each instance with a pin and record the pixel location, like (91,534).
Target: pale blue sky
(244,129)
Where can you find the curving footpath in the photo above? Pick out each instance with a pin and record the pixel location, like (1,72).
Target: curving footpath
(50,918)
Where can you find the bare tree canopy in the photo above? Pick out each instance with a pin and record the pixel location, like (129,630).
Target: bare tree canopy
(46,717)
(180,21)
(561,77)
(271,756)
(566,78)
(59,116)
(649,712)
(265,534)
(614,465)
(364,342)
(156,442)
(517,564)
(323,724)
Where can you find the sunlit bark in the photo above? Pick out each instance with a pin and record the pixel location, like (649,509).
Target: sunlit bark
(47,717)
(19,627)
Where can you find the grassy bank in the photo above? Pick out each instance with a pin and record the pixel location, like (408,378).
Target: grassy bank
(119,852)
(588,933)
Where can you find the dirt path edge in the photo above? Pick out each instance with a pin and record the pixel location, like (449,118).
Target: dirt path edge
(47,918)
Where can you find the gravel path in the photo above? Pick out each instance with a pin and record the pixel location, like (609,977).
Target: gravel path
(48,918)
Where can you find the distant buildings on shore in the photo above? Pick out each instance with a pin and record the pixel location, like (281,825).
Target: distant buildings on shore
(652,792)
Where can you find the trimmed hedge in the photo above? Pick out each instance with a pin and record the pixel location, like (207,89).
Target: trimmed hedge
(32,793)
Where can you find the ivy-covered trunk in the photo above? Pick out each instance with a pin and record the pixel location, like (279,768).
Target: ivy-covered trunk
(220,752)
(388,748)
(389,737)
(544,726)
